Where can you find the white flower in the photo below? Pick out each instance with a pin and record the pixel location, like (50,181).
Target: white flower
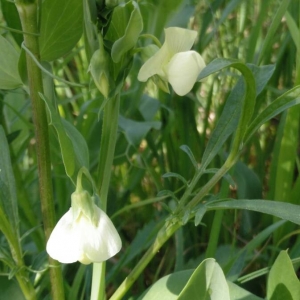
(174,62)
(80,237)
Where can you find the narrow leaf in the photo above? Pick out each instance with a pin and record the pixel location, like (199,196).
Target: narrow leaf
(285,211)
(248,100)
(9,74)
(73,146)
(199,214)
(287,100)
(176,175)
(190,154)
(8,196)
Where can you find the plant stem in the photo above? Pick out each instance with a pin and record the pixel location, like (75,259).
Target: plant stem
(163,235)
(106,157)
(16,251)
(28,13)
(107,147)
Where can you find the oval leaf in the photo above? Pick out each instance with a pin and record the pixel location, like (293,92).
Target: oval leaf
(9,74)
(61,27)
(206,283)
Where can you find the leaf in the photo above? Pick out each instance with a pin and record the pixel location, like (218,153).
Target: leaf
(8,196)
(79,143)
(74,149)
(176,175)
(238,293)
(227,176)
(276,22)
(149,107)
(227,123)
(239,260)
(199,214)
(248,103)
(135,131)
(190,154)
(133,26)
(61,27)
(11,16)
(10,289)
(285,101)
(283,282)
(9,74)
(206,283)
(285,211)
(168,287)
(262,75)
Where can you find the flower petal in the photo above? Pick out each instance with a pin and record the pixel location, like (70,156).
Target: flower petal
(100,242)
(179,39)
(63,244)
(183,70)
(154,64)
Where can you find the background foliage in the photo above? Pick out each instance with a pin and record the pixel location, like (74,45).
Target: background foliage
(161,138)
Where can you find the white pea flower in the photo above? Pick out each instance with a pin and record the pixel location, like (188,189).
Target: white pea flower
(85,233)
(174,62)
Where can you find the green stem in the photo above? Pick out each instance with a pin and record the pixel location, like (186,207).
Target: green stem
(16,251)
(28,13)
(211,183)
(106,157)
(216,225)
(163,235)
(107,147)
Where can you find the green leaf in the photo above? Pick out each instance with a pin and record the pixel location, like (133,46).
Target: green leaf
(227,176)
(149,107)
(248,103)
(276,22)
(206,283)
(128,23)
(10,289)
(238,262)
(283,282)
(293,28)
(162,12)
(74,149)
(285,101)
(9,74)
(135,131)
(199,214)
(285,211)
(79,144)
(190,154)
(176,175)
(238,293)
(262,75)
(227,123)
(8,196)
(11,16)
(61,27)
(229,119)
(168,287)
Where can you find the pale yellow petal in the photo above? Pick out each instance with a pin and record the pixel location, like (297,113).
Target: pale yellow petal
(63,244)
(179,39)
(183,70)
(154,65)
(101,242)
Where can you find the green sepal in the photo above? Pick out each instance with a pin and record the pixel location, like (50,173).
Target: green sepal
(82,202)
